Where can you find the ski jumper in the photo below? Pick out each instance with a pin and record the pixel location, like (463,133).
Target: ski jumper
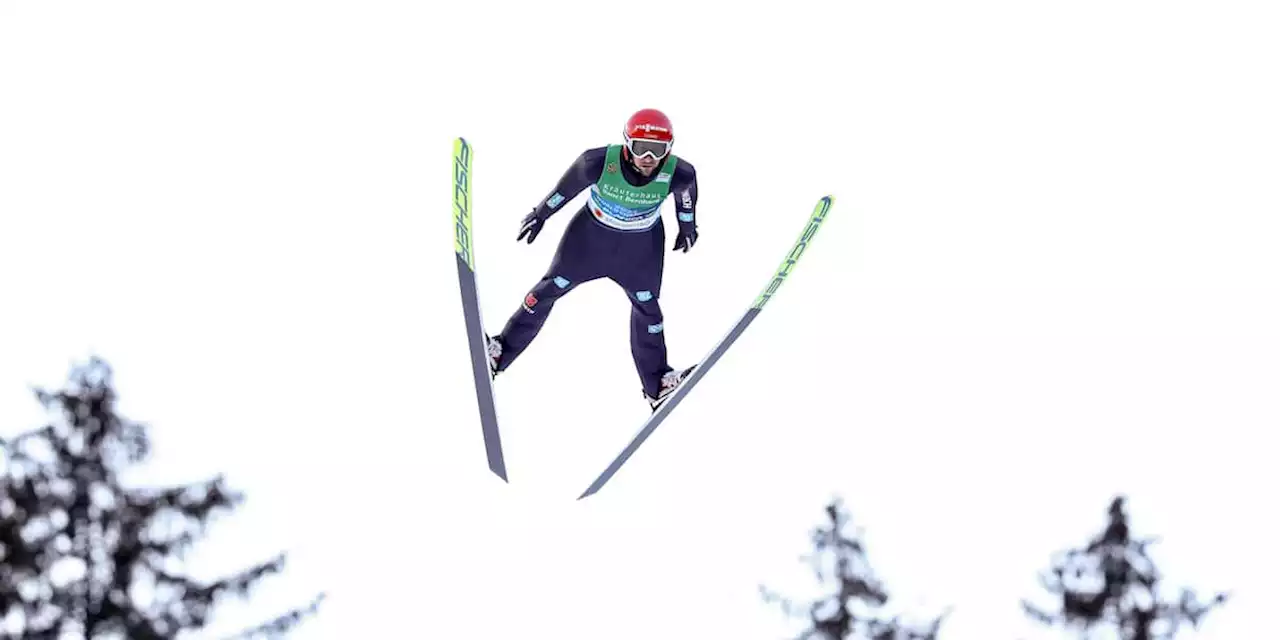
(617,234)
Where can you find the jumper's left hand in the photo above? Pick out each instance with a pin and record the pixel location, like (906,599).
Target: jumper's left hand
(685,237)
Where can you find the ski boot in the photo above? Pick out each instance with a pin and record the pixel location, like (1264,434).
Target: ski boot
(670,382)
(493,348)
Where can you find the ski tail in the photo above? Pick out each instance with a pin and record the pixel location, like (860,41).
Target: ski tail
(780,276)
(464,249)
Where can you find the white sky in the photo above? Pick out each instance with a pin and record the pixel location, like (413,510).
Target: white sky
(1054,239)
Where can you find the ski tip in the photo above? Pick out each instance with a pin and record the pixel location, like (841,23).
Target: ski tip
(823,206)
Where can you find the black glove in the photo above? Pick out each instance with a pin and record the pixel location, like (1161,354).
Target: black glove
(686,236)
(530,226)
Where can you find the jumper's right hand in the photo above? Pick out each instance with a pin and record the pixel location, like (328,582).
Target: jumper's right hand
(530,226)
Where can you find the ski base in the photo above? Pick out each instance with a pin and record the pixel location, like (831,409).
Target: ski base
(811,228)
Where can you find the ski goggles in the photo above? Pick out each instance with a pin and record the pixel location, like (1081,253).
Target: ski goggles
(641,147)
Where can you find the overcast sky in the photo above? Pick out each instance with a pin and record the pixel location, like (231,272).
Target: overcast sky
(1050,275)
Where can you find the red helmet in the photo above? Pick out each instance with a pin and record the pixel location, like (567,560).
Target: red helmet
(648,131)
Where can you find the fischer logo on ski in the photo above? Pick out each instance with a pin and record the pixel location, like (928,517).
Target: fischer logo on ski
(668,405)
(462,202)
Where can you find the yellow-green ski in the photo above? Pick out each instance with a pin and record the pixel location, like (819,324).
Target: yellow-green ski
(477,340)
(780,275)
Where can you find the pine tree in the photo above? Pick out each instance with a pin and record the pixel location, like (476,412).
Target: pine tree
(82,555)
(839,560)
(1113,583)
